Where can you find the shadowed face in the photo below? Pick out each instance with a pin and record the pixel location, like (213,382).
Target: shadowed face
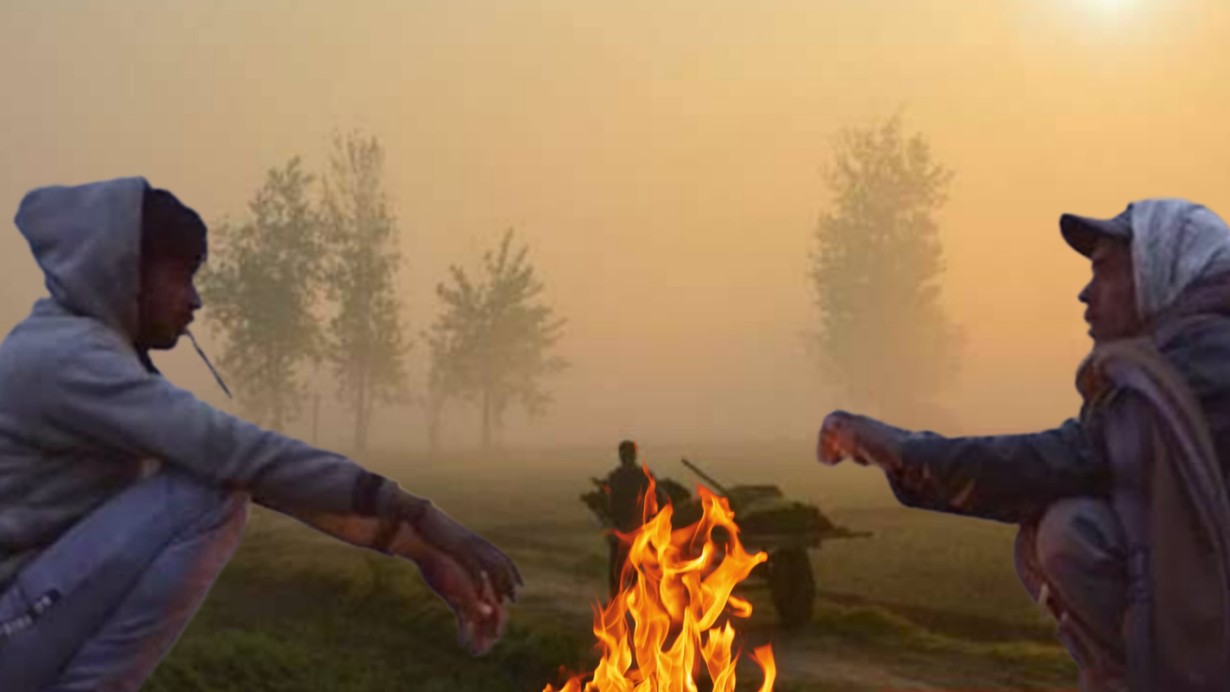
(627,453)
(167,300)
(1110,296)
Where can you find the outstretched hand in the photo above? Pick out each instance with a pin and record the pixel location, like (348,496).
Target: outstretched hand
(472,576)
(838,439)
(480,613)
(865,440)
(482,561)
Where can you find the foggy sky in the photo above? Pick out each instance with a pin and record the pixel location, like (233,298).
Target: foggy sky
(662,159)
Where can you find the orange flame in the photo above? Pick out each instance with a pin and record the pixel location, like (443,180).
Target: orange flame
(676,587)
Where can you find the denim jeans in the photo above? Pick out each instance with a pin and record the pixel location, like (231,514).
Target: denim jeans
(99,608)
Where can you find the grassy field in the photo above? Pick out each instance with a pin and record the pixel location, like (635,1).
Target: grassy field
(929,602)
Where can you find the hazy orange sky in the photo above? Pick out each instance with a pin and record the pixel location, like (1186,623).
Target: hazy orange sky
(662,159)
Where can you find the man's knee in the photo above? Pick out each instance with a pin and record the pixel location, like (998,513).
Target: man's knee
(1081,551)
(206,507)
(232,513)
(228,517)
(146,555)
(1079,537)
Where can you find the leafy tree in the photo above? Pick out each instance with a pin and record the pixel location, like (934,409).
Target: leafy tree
(365,340)
(884,340)
(492,343)
(260,287)
(437,392)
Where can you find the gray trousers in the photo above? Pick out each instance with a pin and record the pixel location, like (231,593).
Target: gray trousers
(1074,562)
(101,607)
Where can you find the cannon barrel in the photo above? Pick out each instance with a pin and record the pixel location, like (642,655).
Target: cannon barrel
(706,478)
(843,532)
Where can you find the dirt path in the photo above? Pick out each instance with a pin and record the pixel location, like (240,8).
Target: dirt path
(564,575)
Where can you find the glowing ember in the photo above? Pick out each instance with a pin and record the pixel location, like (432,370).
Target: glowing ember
(676,587)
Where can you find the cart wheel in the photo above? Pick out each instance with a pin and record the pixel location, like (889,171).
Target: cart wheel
(792,586)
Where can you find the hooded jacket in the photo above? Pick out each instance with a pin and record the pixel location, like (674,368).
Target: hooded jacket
(80,411)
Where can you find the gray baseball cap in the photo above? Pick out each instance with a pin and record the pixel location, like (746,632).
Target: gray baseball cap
(1082,232)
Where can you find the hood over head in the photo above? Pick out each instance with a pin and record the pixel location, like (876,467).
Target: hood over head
(87,240)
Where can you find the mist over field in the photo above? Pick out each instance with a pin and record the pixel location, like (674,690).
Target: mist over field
(663,164)
(669,170)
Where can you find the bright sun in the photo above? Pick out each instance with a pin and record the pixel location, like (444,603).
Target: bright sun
(1106,11)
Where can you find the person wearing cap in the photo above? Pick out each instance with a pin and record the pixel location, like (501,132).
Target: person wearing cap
(123,496)
(1124,523)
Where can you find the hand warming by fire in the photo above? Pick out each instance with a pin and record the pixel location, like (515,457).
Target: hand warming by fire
(676,587)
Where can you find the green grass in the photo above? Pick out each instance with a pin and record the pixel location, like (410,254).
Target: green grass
(883,630)
(289,614)
(930,597)
(951,573)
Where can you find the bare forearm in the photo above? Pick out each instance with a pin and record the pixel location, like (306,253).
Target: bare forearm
(383,535)
(387,524)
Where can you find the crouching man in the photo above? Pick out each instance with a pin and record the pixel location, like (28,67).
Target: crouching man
(1123,513)
(123,496)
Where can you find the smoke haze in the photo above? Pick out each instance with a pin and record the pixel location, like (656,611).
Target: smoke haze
(663,161)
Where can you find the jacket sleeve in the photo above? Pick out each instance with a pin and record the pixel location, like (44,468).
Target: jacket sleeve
(1008,478)
(105,396)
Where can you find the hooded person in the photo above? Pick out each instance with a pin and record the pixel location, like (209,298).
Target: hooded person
(122,496)
(1124,520)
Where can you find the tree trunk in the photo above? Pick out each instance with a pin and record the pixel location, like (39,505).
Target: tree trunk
(278,397)
(360,420)
(486,418)
(366,426)
(276,414)
(274,396)
(316,419)
(435,409)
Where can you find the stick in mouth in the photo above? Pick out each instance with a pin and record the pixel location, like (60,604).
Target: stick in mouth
(208,364)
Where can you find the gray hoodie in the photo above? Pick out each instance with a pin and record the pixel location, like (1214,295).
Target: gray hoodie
(80,411)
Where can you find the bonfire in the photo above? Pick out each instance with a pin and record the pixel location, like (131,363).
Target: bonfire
(671,622)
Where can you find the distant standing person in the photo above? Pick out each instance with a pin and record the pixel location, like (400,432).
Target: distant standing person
(625,486)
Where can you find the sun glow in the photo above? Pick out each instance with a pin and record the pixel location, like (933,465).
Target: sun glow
(1110,6)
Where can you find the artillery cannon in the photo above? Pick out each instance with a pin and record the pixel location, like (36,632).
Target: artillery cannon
(785,529)
(768,521)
